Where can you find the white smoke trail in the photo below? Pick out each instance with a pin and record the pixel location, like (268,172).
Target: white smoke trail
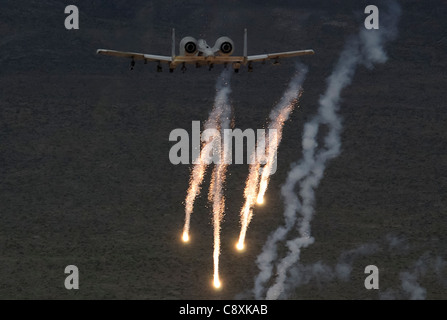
(411,279)
(410,284)
(302,274)
(365,48)
(346,260)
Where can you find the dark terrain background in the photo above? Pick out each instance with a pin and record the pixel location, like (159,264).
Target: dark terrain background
(85,177)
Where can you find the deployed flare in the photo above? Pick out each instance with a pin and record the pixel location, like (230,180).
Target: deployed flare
(194,189)
(255,188)
(274,142)
(216,282)
(217,198)
(240,246)
(221,110)
(185,237)
(197,175)
(250,193)
(262,189)
(219,120)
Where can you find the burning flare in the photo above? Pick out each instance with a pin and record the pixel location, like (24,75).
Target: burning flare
(256,187)
(274,142)
(185,237)
(219,119)
(250,192)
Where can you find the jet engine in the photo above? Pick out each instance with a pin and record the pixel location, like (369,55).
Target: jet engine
(188,46)
(224,46)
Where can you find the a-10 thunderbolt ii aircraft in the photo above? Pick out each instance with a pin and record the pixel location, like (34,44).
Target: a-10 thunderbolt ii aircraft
(199,53)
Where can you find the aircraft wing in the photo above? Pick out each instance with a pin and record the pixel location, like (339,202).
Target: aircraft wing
(267,56)
(134,55)
(208,60)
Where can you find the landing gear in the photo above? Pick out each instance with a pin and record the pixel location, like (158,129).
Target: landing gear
(236,70)
(276,62)
(250,67)
(159,68)
(183,67)
(211,66)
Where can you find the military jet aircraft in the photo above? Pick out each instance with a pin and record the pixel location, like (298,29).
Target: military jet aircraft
(199,53)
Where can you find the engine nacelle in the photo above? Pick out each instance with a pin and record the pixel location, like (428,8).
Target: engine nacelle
(188,46)
(224,46)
